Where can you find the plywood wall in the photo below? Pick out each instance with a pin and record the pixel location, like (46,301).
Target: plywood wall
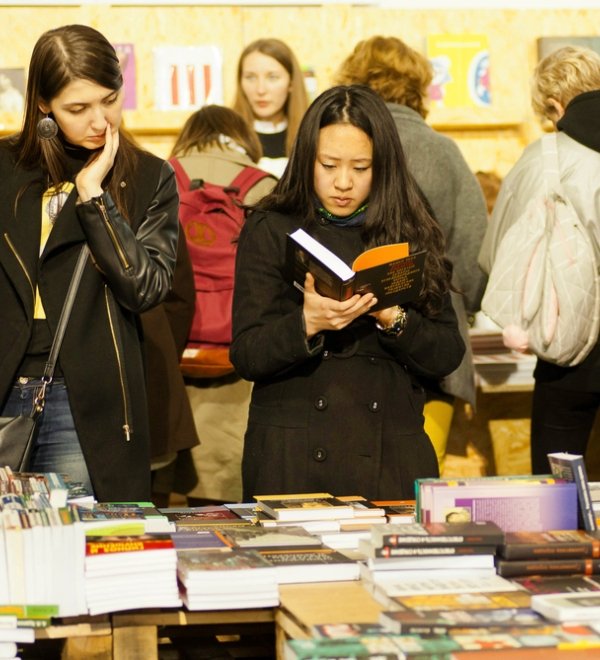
(321,36)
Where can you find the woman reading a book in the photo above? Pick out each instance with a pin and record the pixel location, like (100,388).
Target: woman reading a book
(337,404)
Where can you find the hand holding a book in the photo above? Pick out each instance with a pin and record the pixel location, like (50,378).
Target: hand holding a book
(322,313)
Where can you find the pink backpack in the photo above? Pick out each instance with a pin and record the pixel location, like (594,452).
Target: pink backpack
(212,217)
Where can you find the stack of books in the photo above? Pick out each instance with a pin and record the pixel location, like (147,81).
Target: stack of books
(388,592)
(106,518)
(130,572)
(569,607)
(304,506)
(571,467)
(514,503)
(238,579)
(12,635)
(43,546)
(558,552)
(517,642)
(215,516)
(496,365)
(434,550)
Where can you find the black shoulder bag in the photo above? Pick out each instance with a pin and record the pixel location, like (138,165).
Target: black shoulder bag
(17,434)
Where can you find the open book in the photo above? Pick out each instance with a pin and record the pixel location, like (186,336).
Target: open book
(388,271)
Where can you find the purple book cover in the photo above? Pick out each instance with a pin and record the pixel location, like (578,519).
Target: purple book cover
(126,55)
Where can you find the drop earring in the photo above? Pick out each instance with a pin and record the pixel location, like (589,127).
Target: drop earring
(47,128)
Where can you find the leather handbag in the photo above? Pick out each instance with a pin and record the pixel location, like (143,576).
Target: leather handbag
(18,434)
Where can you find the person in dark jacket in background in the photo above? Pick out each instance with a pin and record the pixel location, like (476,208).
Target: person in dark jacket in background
(172,428)
(71,177)
(402,76)
(337,403)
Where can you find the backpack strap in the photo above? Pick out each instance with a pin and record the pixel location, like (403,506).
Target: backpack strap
(183,180)
(248,178)
(551,165)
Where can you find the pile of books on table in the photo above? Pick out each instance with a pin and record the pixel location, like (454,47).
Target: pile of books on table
(236,579)
(558,552)
(400,553)
(514,503)
(341,522)
(12,634)
(496,365)
(42,542)
(130,572)
(294,553)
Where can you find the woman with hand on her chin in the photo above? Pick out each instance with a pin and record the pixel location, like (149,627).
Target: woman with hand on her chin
(337,403)
(72,177)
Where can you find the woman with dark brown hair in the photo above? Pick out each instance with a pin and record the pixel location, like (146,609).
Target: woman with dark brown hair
(72,177)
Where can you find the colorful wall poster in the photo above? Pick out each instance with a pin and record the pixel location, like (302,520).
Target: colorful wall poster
(187,77)
(12,90)
(126,55)
(461,68)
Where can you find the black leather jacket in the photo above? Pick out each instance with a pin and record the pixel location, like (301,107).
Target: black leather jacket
(138,266)
(130,271)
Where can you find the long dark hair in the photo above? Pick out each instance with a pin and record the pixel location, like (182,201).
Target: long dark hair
(60,56)
(397,209)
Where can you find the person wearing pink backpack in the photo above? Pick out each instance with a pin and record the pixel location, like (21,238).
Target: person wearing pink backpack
(214,159)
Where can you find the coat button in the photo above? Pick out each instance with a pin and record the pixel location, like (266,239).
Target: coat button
(319,454)
(372,360)
(326,355)
(374,406)
(320,403)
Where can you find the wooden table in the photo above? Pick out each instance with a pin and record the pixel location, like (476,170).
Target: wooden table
(134,635)
(304,605)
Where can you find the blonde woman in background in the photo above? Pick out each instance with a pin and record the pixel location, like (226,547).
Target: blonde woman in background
(566,95)
(215,145)
(272,97)
(401,77)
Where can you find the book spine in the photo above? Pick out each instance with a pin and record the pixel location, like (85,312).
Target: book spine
(508,568)
(384,539)
(585,499)
(428,551)
(573,469)
(550,551)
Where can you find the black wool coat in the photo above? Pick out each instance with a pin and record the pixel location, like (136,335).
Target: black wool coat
(342,413)
(129,271)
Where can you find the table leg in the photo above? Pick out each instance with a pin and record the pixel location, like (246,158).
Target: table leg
(135,643)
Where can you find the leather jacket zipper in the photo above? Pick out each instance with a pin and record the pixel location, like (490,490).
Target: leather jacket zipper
(99,204)
(113,331)
(21,262)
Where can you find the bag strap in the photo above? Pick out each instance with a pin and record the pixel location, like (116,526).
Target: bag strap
(551,164)
(183,180)
(65,313)
(248,178)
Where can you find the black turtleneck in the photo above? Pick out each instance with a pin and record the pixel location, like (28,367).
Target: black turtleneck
(581,120)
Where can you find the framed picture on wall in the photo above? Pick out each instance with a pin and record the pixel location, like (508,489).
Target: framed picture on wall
(126,55)
(461,66)
(187,77)
(12,90)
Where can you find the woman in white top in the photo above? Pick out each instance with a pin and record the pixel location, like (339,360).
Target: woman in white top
(272,96)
